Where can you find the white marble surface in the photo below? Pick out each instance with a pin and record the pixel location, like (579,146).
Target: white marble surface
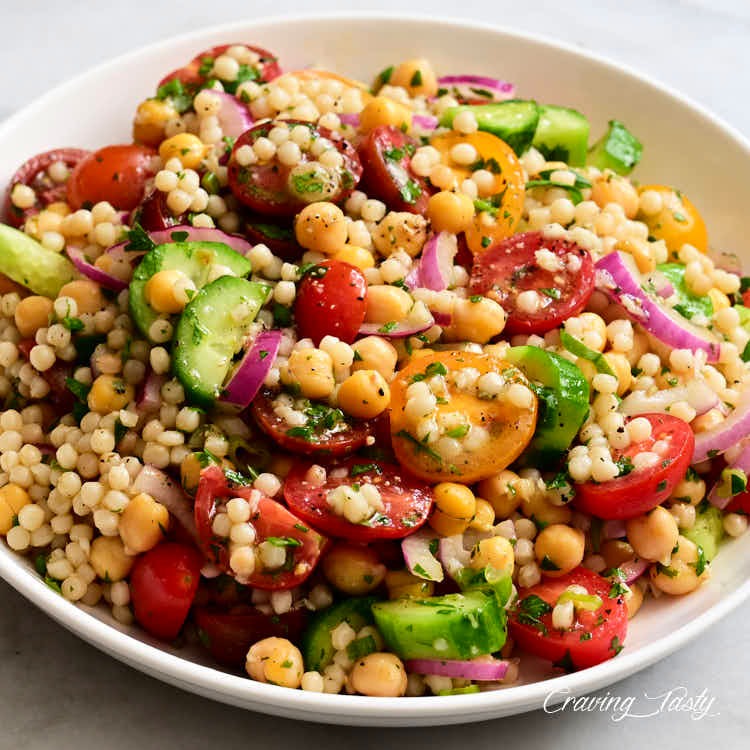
(57,692)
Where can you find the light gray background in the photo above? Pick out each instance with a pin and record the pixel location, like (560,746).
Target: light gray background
(57,692)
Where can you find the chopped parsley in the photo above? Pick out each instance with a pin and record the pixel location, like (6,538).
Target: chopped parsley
(358,469)
(530,611)
(174,90)
(615,645)
(388,327)
(283,541)
(385,75)
(420,447)
(661,486)
(624,466)
(410,191)
(138,239)
(548,564)
(458,432)
(307,183)
(551,293)
(701,562)
(416,79)
(72,324)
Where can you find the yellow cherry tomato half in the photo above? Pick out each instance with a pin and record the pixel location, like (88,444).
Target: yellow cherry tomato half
(480,416)
(508,189)
(678,222)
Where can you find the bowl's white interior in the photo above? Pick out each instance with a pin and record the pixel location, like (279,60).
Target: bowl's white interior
(684,146)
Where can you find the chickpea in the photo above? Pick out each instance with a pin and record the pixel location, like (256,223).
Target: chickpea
(109,559)
(705,422)
(150,119)
(382,110)
(502,493)
(275,660)
(353,569)
(403,584)
(560,547)
(32,313)
(455,506)
(355,256)
(169,291)
(12,499)
(364,394)
(611,188)
(538,507)
(615,552)
(416,76)
(633,601)
(621,367)
(484,516)
(654,535)
(690,490)
(478,321)
(375,353)
(87,294)
(321,227)
(680,575)
(312,371)
(450,212)
(379,674)
(400,230)
(497,552)
(186,147)
(387,303)
(143,524)
(109,393)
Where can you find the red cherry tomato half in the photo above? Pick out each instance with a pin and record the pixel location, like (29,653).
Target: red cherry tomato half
(642,490)
(406,500)
(386,158)
(270,520)
(595,635)
(228,635)
(331,301)
(153,214)
(345,437)
(116,174)
(277,237)
(270,188)
(33,174)
(504,271)
(163,583)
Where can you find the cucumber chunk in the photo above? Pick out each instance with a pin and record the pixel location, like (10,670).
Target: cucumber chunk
(210,333)
(618,150)
(195,259)
(32,265)
(562,135)
(707,531)
(513,121)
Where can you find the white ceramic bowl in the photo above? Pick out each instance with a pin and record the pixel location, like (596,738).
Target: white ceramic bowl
(684,146)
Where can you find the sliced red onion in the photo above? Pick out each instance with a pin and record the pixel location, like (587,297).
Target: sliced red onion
(742,462)
(149,399)
(435,267)
(441,318)
(424,122)
(396,330)
(618,277)
(419,557)
(466,85)
(697,393)
(351,119)
(94,273)
(733,430)
(613,529)
(163,488)
(633,569)
(234,116)
(488,671)
(252,370)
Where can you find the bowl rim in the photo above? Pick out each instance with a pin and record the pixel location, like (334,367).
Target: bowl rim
(328,708)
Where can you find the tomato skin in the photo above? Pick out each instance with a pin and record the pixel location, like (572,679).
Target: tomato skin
(331,444)
(228,635)
(163,583)
(641,491)
(331,302)
(281,242)
(495,273)
(31,173)
(386,178)
(407,500)
(116,174)
(271,519)
(153,213)
(554,645)
(679,222)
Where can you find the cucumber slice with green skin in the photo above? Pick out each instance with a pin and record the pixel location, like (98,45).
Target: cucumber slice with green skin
(707,531)
(317,649)
(574,346)
(513,121)
(564,402)
(32,265)
(192,258)
(618,150)
(562,135)
(454,626)
(210,334)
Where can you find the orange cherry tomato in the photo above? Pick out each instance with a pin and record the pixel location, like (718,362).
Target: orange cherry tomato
(679,222)
(491,431)
(509,189)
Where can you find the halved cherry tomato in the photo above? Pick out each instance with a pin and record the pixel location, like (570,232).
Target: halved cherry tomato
(509,428)
(270,520)
(511,267)
(406,500)
(642,490)
(345,437)
(265,187)
(679,222)
(502,209)
(33,174)
(116,174)
(228,635)
(331,301)
(386,159)
(277,237)
(154,214)
(596,635)
(163,583)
